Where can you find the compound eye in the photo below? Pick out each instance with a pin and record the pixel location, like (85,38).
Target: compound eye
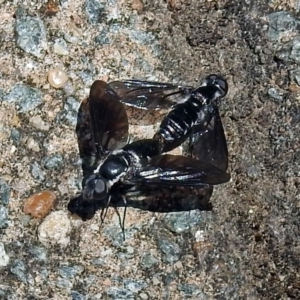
(95,188)
(218,81)
(100,186)
(222,85)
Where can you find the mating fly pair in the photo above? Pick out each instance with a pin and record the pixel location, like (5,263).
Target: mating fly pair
(139,174)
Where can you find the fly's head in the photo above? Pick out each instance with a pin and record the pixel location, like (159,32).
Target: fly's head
(219,82)
(95,190)
(82,208)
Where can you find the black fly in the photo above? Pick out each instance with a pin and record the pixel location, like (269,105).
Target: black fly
(137,174)
(194,114)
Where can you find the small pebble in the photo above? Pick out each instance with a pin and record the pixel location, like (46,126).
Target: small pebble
(33,145)
(4,258)
(102,38)
(63,283)
(68,89)
(15,135)
(20,186)
(60,47)
(94,11)
(134,285)
(77,296)
(115,292)
(143,296)
(36,172)
(137,5)
(38,123)
(53,162)
(26,97)
(55,229)
(70,271)
(57,78)
(19,269)
(30,34)
(148,261)
(4,192)
(73,36)
(3,216)
(39,253)
(169,248)
(39,205)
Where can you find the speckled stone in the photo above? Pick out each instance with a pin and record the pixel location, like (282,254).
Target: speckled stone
(33,145)
(3,216)
(15,135)
(275,94)
(4,258)
(4,192)
(94,11)
(119,293)
(40,253)
(191,290)
(30,34)
(63,283)
(70,271)
(180,222)
(37,173)
(19,269)
(148,261)
(26,98)
(70,111)
(53,162)
(280,22)
(38,123)
(295,74)
(169,248)
(55,229)
(60,47)
(77,296)
(134,285)
(102,38)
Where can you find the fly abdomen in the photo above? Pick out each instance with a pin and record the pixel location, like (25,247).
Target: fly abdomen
(177,125)
(143,148)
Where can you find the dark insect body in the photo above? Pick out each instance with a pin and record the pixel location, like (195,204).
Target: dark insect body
(194,114)
(138,175)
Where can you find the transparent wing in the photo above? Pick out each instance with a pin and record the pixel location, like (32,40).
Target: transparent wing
(209,142)
(108,117)
(169,199)
(180,170)
(145,197)
(149,95)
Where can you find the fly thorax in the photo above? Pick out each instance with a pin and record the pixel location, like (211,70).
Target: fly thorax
(198,99)
(114,167)
(135,160)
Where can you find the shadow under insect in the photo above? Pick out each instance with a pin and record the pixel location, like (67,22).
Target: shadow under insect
(150,181)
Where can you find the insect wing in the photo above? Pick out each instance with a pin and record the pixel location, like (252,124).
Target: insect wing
(168,199)
(181,171)
(83,131)
(209,142)
(108,117)
(149,95)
